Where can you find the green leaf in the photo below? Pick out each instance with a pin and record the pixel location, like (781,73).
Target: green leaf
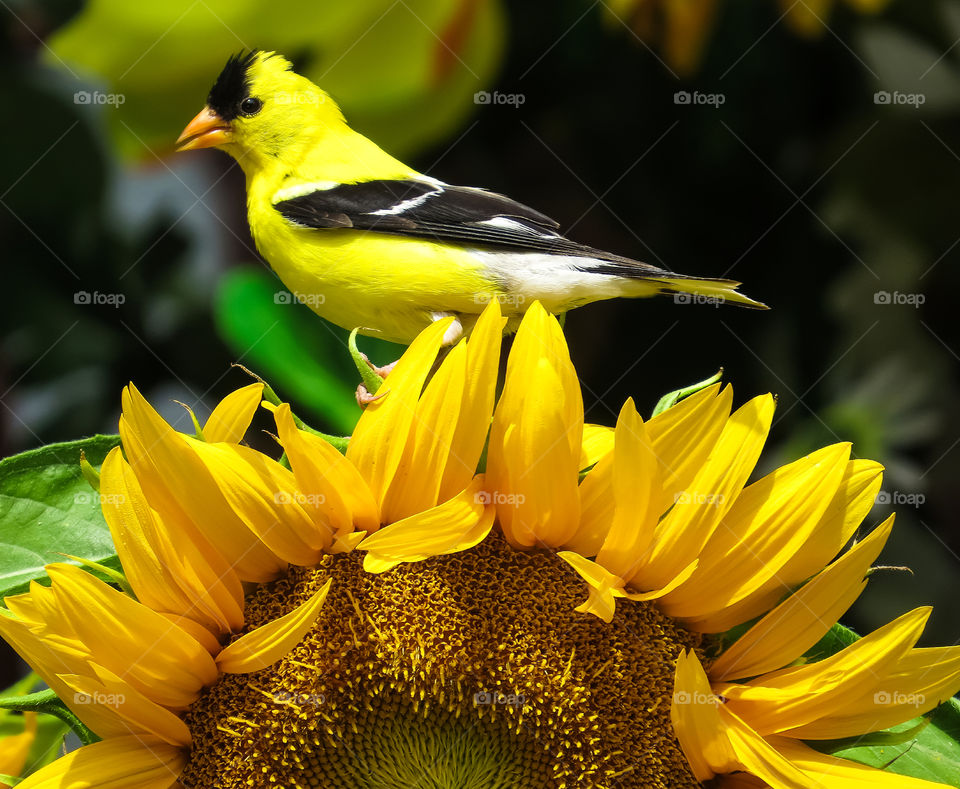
(303,355)
(47,508)
(933,755)
(838,637)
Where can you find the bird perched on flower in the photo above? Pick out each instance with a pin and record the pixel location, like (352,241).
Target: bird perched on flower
(368,242)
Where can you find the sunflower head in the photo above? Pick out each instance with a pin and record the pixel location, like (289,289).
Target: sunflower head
(397,614)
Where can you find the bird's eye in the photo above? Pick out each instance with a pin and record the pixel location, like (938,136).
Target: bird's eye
(250,105)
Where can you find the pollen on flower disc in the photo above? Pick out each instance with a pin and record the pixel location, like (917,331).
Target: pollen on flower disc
(468,670)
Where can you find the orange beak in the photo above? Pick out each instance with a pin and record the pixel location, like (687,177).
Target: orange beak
(205,131)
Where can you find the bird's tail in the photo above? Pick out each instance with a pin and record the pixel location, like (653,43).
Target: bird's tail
(705,290)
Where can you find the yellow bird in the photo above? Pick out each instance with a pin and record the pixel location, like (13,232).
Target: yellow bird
(368,242)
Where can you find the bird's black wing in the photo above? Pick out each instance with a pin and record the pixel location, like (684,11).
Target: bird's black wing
(453,214)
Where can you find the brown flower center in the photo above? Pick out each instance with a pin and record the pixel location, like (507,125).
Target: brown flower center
(463,671)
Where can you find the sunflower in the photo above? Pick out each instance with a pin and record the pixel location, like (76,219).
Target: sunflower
(391,617)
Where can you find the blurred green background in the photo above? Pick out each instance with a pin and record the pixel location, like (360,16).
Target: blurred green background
(810,150)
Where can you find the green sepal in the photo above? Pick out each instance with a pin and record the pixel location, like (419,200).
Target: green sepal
(100,569)
(197,430)
(90,474)
(370,379)
(49,703)
(671,398)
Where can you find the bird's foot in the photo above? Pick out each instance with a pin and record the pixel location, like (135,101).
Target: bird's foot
(364,398)
(363,395)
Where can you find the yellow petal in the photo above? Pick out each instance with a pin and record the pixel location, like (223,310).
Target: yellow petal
(416,484)
(921,680)
(264,496)
(377,445)
(265,645)
(804,618)
(685,435)
(49,661)
(133,762)
(132,708)
(15,748)
(456,525)
(327,479)
(597,442)
(688,526)
(167,570)
(180,488)
(796,696)
(760,533)
(757,757)
(695,714)
(231,418)
(836,773)
(715,741)
(536,437)
(483,363)
(204,637)
(637,489)
(854,498)
(682,438)
(157,658)
(603,587)
(596,508)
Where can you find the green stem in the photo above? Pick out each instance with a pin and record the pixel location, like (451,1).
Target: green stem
(49,703)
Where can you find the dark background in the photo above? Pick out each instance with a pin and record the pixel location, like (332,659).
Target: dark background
(799,184)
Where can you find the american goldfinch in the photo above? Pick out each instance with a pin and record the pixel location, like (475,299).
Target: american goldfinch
(369,243)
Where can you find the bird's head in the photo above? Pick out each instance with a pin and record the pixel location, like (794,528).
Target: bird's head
(259,108)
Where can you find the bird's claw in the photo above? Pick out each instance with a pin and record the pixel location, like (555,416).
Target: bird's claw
(364,398)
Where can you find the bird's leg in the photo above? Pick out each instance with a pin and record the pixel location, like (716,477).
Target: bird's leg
(450,337)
